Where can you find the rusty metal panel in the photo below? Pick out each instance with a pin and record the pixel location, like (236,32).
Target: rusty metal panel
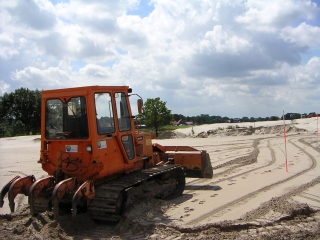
(187,159)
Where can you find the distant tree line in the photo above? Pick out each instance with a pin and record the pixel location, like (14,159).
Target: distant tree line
(20,112)
(206,119)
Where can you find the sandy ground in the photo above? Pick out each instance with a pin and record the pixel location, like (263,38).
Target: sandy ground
(254,194)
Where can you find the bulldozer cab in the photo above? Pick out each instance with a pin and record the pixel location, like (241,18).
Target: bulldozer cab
(66,117)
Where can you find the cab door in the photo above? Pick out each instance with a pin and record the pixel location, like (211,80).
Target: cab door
(108,148)
(125,124)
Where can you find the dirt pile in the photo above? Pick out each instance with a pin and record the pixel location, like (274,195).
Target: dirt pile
(278,130)
(172,135)
(242,131)
(21,225)
(232,131)
(143,215)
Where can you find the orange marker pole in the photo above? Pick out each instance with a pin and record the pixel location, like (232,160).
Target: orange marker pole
(285,141)
(317,131)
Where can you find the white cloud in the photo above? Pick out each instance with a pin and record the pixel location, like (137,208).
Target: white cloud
(92,70)
(306,76)
(303,35)
(219,41)
(212,91)
(3,87)
(28,13)
(273,14)
(52,77)
(8,48)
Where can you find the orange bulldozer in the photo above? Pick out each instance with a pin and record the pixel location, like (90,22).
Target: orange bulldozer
(98,160)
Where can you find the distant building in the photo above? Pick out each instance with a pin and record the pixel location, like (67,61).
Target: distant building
(181,122)
(312,114)
(236,120)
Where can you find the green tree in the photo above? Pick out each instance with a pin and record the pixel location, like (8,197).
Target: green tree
(177,117)
(295,116)
(274,118)
(156,114)
(20,112)
(245,119)
(216,119)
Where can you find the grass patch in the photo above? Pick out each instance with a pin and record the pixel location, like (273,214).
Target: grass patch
(171,128)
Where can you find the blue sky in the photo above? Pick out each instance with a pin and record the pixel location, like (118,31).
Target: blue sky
(230,58)
(144,8)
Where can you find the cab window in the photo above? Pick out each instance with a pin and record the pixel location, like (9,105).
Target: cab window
(122,112)
(104,113)
(66,119)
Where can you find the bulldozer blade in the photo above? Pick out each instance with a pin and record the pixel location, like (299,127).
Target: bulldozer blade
(196,163)
(20,185)
(5,189)
(38,186)
(205,169)
(86,190)
(63,187)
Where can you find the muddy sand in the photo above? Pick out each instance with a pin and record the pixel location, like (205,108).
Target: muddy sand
(253,194)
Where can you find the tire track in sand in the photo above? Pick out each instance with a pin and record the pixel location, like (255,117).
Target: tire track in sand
(273,159)
(266,188)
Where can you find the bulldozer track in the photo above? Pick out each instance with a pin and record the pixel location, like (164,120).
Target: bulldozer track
(255,149)
(309,144)
(263,189)
(107,204)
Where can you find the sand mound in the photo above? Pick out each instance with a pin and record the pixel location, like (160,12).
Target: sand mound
(172,135)
(20,225)
(242,131)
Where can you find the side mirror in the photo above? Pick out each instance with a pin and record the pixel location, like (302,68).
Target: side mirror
(140,105)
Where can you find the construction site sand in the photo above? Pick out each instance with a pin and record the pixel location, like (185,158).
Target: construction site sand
(251,196)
